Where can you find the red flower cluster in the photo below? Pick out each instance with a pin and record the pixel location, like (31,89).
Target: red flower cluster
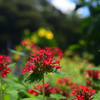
(56,51)
(93,73)
(33,92)
(4,61)
(25,42)
(82,93)
(48,90)
(67,81)
(88,82)
(41,61)
(30,45)
(59,91)
(64,86)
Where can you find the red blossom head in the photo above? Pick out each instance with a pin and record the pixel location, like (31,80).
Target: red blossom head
(64,86)
(59,91)
(48,89)
(25,42)
(29,45)
(56,51)
(82,93)
(33,92)
(33,47)
(4,61)
(93,73)
(88,82)
(66,81)
(40,62)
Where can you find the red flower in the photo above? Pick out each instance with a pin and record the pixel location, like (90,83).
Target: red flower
(88,82)
(33,47)
(31,91)
(67,81)
(25,42)
(94,73)
(64,80)
(4,61)
(60,81)
(41,61)
(64,86)
(79,98)
(30,45)
(58,90)
(56,51)
(82,93)
(48,90)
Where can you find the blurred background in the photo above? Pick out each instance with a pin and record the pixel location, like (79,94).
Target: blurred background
(73,24)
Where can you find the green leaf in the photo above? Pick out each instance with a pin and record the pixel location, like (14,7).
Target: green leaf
(8,80)
(33,78)
(39,97)
(13,85)
(37,90)
(11,65)
(29,99)
(96,96)
(57,96)
(30,95)
(59,72)
(6,97)
(32,99)
(13,94)
(21,78)
(3,87)
(17,52)
(96,82)
(54,69)
(74,46)
(94,68)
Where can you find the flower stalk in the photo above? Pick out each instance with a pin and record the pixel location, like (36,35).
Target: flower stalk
(2,98)
(43,88)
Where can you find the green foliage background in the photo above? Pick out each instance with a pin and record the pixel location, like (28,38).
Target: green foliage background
(82,34)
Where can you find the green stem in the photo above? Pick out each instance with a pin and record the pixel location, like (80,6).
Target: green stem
(2,98)
(43,88)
